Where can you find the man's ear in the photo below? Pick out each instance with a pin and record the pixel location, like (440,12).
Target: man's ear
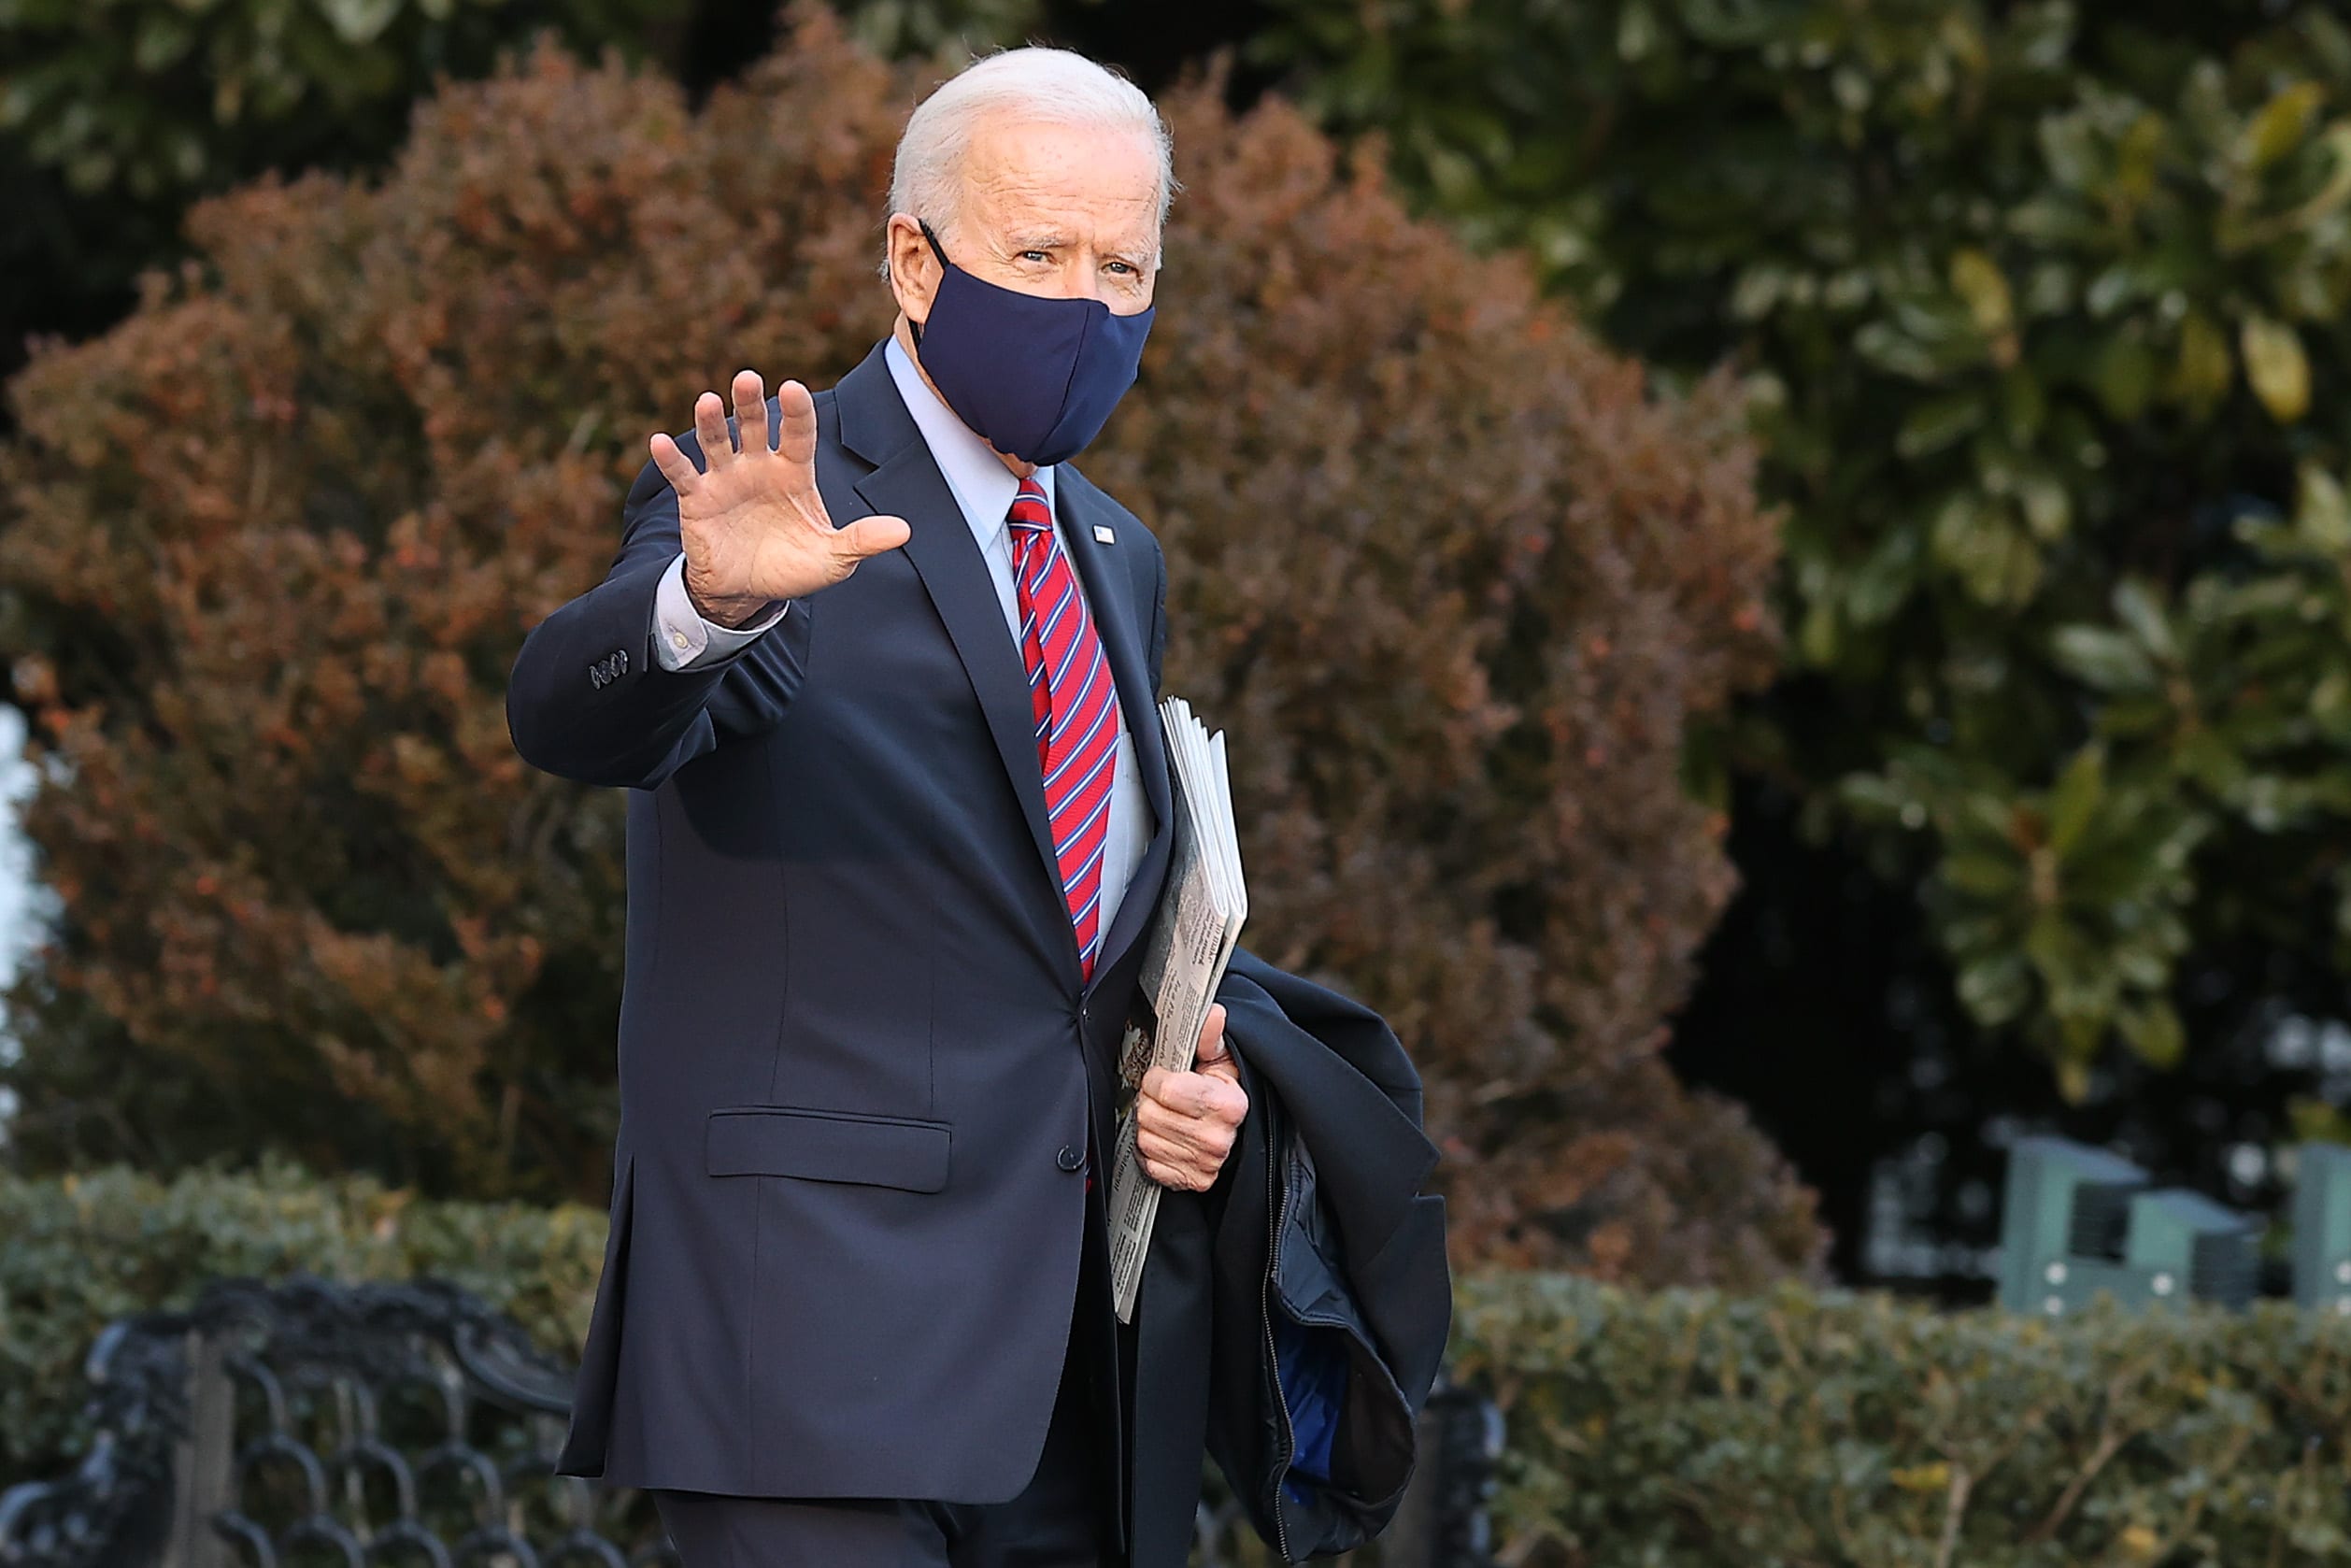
(914,271)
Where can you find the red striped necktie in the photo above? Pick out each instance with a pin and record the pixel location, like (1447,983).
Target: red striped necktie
(1075,703)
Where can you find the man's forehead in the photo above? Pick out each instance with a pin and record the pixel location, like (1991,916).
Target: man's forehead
(1017,161)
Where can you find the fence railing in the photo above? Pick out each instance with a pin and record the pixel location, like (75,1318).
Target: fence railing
(313,1423)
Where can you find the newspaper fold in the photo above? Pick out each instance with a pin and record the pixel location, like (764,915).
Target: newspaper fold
(1190,941)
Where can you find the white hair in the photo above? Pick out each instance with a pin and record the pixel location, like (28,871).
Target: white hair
(1053,85)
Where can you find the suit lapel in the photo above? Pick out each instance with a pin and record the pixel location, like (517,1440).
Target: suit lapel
(1110,595)
(907,484)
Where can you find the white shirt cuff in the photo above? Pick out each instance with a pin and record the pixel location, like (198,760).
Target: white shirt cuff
(683,639)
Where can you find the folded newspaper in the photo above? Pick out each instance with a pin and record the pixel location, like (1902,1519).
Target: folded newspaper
(1191,939)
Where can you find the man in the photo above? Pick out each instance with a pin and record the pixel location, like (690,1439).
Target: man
(879,669)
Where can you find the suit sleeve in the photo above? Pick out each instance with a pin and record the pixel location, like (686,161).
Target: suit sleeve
(589,699)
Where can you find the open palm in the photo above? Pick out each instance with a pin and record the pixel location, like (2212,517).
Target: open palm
(755,529)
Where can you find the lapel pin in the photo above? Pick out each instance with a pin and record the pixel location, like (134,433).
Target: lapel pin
(1103,536)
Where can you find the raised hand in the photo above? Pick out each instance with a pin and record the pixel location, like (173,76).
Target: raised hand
(755,529)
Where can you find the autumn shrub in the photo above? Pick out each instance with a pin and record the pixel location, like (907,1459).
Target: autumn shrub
(1454,578)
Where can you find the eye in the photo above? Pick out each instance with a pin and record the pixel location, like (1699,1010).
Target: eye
(1123,268)
(1035,255)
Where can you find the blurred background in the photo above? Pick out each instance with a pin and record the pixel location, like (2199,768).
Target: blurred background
(1865,677)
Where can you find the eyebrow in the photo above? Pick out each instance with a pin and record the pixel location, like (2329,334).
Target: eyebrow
(1138,257)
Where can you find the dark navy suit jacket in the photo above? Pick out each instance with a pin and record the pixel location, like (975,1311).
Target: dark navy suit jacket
(859,1068)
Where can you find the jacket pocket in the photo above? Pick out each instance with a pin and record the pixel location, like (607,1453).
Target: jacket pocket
(827,1145)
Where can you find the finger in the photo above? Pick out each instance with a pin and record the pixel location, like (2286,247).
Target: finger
(1212,1047)
(710,428)
(1186,1096)
(1169,1135)
(1226,1071)
(1200,1145)
(1216,1051)
(1167,1175)
(1203,1141)
(855,541)
(1153,1119)
(676,466)
(1222,1101)
(1169,1168)
(796,428)
(1202,1097)
(751,411)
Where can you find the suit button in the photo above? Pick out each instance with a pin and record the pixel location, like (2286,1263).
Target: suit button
(1070,1159)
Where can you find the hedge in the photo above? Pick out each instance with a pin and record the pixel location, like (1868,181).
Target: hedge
(1791,1428)
(1683,1427)
(76,1252)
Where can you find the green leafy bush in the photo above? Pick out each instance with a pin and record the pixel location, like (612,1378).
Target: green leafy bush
(1685,1428)
(2043,302)
(158,97)
(79,1252)
(1704,1430)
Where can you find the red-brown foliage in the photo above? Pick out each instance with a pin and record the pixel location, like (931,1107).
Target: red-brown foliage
(1451,576)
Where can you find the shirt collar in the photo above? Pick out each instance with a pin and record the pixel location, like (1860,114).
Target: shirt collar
(983,485)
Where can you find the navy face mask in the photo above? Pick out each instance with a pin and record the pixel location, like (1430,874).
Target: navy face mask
(1035,378)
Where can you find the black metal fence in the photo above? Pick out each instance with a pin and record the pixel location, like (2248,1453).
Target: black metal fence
(308,1423)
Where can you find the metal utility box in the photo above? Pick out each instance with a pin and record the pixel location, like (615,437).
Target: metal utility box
(2322,1228)
(2062,1225)
(2189,1248)
(2079,1222)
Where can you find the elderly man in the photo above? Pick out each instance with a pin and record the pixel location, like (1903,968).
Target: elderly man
(878,668)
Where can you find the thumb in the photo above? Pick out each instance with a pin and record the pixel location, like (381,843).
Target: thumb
(1212,1047)
(870,537)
